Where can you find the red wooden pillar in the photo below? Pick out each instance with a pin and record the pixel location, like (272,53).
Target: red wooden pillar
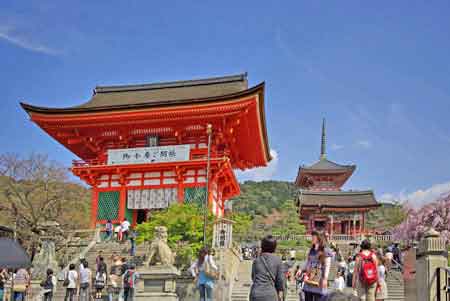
(180,187)
(363,222)
(94,206)
(122,202)
(134,222)
(180,192)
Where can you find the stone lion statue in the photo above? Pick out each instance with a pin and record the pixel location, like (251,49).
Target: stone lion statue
(159,252)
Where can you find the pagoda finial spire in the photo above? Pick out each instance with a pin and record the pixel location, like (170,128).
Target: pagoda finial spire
(322,146)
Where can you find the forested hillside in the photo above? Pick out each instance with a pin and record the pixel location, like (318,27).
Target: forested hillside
(270,205)
(260,198)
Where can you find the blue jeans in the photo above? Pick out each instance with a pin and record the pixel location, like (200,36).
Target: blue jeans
(2,291)
(206,292)
(133,248)
(19,296)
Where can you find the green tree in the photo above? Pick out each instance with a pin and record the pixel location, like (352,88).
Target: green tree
(184,224)
(260,198)
(388,216)
(289,221)
(242,223)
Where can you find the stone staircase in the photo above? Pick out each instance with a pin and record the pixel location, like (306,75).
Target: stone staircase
(108,249)
(241,287)
(395,285)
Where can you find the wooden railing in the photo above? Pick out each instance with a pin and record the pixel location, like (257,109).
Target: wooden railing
(333,237)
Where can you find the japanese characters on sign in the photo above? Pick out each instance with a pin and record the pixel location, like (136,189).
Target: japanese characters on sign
(142,155)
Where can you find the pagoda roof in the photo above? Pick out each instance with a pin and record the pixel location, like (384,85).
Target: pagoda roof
(154,94)
(326,165)
(337,199)
(341,173)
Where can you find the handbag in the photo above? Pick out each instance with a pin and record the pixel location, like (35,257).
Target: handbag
(66,280)
(312,278)
(209,271)
(20,288)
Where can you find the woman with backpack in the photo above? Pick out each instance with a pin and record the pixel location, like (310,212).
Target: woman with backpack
(204,270)
(267,273)
(317,268)
(48,286)
(365,276)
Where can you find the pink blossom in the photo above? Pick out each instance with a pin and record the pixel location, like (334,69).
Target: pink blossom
(435,214)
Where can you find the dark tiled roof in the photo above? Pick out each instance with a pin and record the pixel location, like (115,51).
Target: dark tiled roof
(166,93)
(337,199)
(325,164)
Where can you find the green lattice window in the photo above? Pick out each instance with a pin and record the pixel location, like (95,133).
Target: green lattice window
(129,214)
(108,205)
(195,195)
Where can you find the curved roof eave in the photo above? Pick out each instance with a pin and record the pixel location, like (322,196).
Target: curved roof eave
(154,104)
(151,104)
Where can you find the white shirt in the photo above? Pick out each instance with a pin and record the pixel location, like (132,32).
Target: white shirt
(339,283)
(195,269)
(381,272)
(117,229)
(73,277)
(85,275)
(125,225)
(292,253)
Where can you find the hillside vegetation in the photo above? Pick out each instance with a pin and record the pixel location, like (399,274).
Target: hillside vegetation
(261,198)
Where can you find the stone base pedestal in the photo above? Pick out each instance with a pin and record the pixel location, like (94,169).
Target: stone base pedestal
(157,283)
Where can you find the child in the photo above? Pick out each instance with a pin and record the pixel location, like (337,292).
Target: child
(339,282)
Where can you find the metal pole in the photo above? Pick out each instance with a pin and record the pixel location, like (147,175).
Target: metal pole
(205,205)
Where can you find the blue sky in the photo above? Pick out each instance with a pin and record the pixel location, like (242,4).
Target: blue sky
(378,71)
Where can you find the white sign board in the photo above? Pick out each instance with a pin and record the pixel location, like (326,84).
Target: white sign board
(143,155)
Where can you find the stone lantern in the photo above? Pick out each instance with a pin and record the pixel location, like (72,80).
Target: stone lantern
(223,234)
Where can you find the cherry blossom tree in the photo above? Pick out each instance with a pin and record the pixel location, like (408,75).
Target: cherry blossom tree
(435,214)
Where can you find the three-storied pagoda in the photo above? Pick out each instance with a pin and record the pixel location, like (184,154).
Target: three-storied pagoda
(143,147)
(321,202)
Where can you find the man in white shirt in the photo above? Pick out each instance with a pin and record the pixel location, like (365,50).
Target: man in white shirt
(125,227)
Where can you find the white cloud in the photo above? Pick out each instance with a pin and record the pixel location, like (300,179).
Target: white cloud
(336,146)
(364,144)
(13,37)
(419,197)
(261,173)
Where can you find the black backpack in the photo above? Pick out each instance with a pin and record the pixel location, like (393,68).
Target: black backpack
(47,283)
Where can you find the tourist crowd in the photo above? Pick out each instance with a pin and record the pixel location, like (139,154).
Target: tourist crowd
(361,274)
(80,281)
